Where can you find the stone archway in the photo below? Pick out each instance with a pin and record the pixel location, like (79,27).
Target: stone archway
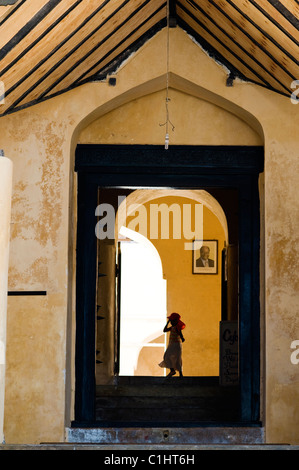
(141,196)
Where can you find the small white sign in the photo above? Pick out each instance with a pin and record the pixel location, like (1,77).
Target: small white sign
(229,346)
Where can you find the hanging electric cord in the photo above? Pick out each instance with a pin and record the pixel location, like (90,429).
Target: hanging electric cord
(167,122)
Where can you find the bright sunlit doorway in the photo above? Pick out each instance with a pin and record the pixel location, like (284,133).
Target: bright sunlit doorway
(142,306)
(157,277)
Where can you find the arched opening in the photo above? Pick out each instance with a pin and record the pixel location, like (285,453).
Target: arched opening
(157,238)
(142,305)
(232,169)
(173,222)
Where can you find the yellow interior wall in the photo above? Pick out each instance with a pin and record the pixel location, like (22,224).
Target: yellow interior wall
(196,297)
(41,141)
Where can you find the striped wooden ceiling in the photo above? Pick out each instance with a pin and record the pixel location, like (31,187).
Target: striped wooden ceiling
(51,46)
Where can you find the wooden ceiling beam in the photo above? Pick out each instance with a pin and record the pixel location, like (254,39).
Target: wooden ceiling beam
(230,33)
(267,28)
(130,44)
(26,19)
(234,52)
(276,17)
(120,40)
(264,45)
(218,49)
(76,56)
(107,65)
(50,46)
(289,9)
(38,33)
(61,42)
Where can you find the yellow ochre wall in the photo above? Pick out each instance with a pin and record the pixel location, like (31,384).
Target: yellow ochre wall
(197,298)
(142,121)
(41,141)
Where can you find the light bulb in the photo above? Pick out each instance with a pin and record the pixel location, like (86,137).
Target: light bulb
(166,141)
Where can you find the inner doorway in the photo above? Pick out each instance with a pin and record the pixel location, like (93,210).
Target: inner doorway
(158,239)
(159,170)
(143,306)
(168,229)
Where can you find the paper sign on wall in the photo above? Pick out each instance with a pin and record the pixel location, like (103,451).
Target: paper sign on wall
(229,368)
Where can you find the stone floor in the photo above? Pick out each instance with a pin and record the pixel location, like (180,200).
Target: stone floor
(178,449)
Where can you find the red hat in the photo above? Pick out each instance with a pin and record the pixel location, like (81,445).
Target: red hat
(175,316)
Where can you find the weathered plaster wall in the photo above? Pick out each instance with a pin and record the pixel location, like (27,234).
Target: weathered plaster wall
(142,120)
(282,288)
(37,324)
(41,142)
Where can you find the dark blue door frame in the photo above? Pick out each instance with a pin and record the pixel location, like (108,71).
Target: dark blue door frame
(197,167)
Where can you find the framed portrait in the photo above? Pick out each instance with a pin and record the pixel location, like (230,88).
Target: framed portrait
(205,257)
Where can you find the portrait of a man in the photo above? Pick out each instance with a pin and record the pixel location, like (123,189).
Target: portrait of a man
(204,256)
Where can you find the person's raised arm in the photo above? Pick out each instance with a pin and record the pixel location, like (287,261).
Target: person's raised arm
(181,335)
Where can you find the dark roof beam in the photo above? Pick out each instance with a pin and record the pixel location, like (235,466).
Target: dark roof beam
(285,12)
(172,14)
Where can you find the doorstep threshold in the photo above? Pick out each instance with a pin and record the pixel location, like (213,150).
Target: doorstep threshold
(167,434)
